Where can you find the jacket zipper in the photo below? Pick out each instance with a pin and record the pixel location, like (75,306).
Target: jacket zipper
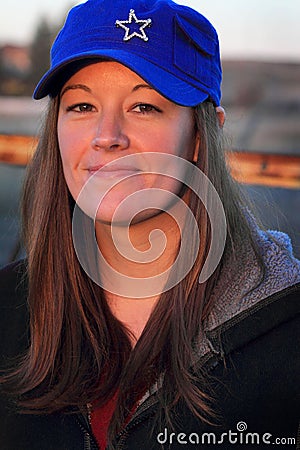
(89,442)
(138,417)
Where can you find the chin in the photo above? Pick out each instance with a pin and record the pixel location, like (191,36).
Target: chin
(124,220)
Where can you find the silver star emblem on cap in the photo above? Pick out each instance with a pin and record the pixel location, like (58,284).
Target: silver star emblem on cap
(125,24)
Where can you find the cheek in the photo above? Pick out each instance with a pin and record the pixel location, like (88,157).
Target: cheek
(178,138)
(187,139)
(70,157)
(66,157)
(73,143)
(66,141)
(63,141)
(182,136)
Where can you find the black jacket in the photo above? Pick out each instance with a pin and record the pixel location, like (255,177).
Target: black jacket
(253,367)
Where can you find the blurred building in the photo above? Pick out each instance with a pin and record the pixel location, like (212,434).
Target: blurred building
(263,104)
(15,59)
(15,65)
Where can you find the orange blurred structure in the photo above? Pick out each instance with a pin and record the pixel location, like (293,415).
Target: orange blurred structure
(247,167)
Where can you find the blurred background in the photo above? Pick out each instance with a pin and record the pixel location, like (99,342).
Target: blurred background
(260,48)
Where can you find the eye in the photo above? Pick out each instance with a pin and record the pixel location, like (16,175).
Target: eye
(81,108)
(145,108)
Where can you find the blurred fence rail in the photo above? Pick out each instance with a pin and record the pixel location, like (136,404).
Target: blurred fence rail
(255,168)
(16,149)
(265,169)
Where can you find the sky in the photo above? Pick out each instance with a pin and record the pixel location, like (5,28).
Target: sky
(248,29)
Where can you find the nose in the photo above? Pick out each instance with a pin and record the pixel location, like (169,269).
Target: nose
(110,134)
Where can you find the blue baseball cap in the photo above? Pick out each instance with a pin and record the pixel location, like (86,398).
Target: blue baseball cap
(172,47)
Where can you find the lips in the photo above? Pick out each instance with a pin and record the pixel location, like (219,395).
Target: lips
(113,170)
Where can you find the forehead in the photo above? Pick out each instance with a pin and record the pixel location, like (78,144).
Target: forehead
(106,72)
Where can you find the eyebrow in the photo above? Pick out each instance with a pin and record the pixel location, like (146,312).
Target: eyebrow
(76,86)
(87,89)
(141,86)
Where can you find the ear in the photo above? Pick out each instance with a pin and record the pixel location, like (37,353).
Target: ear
(221,115)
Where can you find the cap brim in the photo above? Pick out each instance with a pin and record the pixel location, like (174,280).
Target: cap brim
(168,85)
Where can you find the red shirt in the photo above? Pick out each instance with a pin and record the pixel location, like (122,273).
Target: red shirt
(100,419)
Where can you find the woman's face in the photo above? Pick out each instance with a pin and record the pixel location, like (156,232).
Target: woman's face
(107,112)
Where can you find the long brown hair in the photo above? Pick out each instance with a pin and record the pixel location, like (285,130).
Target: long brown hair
(76,342)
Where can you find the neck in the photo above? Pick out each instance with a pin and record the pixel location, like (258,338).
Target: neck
(140,260)
(143,250)
(132,254)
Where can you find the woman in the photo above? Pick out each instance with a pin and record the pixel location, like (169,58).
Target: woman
(124,344)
